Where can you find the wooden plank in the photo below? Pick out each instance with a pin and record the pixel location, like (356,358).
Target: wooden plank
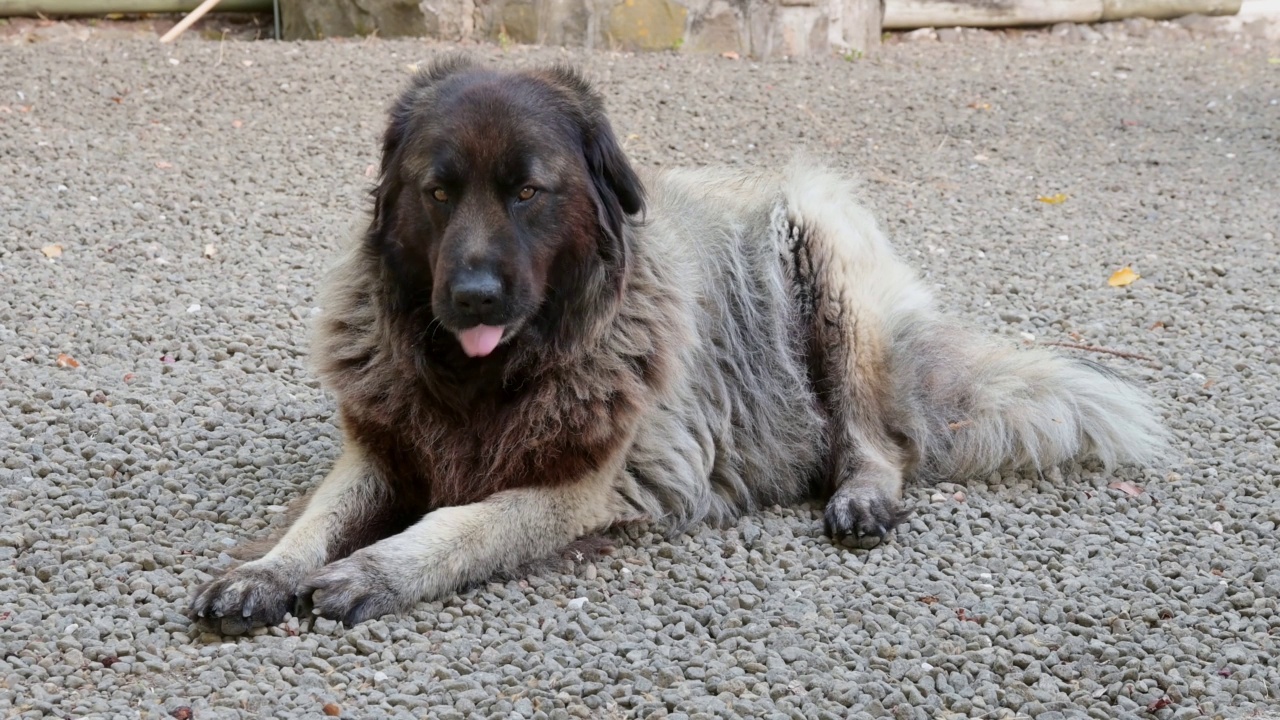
(910,14)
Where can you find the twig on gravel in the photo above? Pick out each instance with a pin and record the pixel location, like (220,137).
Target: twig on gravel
(1098,349)
(189,20)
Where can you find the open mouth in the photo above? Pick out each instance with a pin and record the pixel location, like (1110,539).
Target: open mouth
(479,341)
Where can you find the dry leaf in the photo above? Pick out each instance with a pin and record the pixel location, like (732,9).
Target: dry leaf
(1123,276)
(929,599)
(1055,199)
(332,710)
(164,165)
(1127,488)
(128,378)
(210,250)
(64,360)
(959,424)
(976,105)
(52,251)
(1156,325)
(729,55)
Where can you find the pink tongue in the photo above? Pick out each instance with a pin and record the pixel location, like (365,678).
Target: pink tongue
(480,340)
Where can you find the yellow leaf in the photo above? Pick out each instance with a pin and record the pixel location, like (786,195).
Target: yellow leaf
(52,251)
(1122,277)
(1056,199)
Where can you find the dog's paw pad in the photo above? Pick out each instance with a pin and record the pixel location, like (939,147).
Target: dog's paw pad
(351,591)
(245,597)
(862,517)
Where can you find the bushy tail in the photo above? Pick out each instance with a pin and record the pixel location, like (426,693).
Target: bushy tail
(973,406)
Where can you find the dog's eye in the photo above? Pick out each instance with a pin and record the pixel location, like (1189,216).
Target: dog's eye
(440,195)
(526,193)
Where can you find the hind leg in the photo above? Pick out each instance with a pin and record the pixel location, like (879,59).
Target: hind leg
(866,464)
(850,360)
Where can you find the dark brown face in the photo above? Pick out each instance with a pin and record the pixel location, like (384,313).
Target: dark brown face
(496,200)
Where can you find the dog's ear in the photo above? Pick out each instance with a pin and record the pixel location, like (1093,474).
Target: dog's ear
(617,189)
(399,122)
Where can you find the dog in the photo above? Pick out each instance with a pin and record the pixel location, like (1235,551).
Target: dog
(532,342)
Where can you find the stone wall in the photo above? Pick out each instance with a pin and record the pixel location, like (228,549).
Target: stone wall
(758,28)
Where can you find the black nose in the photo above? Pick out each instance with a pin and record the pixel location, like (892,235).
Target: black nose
(477,291)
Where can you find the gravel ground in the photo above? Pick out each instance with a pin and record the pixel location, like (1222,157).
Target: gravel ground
(198,191)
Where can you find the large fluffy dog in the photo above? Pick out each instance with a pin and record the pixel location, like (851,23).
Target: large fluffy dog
(531,343)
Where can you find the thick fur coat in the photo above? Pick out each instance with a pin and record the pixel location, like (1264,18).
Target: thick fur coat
(531,343)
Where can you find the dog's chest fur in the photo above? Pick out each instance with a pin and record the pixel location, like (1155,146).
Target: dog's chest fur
(554,419)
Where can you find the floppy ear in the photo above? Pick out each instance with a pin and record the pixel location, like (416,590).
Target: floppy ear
(616,189)
(399,122)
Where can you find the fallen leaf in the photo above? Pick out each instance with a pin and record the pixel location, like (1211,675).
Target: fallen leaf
(210,250)
(182,713)
(117,99)
(65,360)
(1208,384)
(1076,336)
(52,251)
(1159,704)
(976,105)
(1055,199)
(167,359)
(729,55)
(1225,672)
(237,124)
(1216,571)
(128,378)
(1156,325)
(164,165)
(332,710)
(1123,276)
(108,661)
(929,599)
(1127,488)
(957,425)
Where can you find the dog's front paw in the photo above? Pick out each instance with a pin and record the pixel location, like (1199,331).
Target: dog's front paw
(253,594)
(355,589)
(862,517)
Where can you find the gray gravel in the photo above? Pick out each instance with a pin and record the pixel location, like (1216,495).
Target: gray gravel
(198,191)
